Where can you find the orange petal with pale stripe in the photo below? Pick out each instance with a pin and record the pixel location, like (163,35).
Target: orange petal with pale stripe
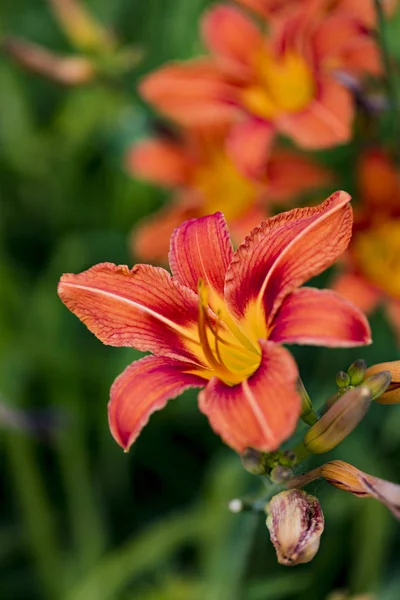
(262,411)
(193,93)
(232,37)
(144,387)
(160,161)
(201,249)
(284,252)
(325,122)
(141,307)
(319,318)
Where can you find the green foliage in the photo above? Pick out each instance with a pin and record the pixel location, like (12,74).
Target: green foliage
(79,519)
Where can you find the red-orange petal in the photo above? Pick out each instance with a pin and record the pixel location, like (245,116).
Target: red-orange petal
(144,387)
(249,145)
(319,318)
(201,249)
(141,307)
(326,122)
(305,174)
(232,37)
(193,93)
(356,290)
(161,161)
(285,251)
(262,411)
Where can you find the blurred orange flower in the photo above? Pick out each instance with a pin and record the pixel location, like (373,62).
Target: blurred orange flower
(371,272)
(199,168)
(286,80)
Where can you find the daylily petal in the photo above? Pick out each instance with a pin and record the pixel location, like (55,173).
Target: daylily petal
(144,387)
(262,411)
(231,36)
(305,174)
(192,93)
(356,290)
(320,318)
(150,239)
(249,145)
(201,249)
(284,252)
(141,307)
(160,161)
(326,122)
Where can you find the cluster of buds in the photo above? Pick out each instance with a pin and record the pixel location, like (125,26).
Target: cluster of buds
(294,518)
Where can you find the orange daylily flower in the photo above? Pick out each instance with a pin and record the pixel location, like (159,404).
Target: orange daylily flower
(371,273)
(363,10)
(205,178)
(285,81)
(219,321)
(350,479)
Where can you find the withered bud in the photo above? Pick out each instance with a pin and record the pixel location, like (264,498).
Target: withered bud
(340,420)
(356,371)
(254,461)
(68,70)
(392,394)
(342,379)
(295,523)
(346,477)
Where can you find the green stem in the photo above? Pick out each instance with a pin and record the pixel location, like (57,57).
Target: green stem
(390,75)
(301,452)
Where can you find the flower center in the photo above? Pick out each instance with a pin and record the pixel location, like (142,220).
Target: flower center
(377,254)
(283,85)
(230,356)
(219,180)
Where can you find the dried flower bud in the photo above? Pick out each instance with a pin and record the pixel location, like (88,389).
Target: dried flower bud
(69,70)
(346,477)
(340,420)
(281,474)
(392,394)
(295,522)
(356,371)
(254,461)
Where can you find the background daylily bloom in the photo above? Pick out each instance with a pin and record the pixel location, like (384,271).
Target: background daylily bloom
(286,82)
(219,321)
(198,167)
(371,272)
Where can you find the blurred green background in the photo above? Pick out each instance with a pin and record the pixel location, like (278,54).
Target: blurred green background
(79,519)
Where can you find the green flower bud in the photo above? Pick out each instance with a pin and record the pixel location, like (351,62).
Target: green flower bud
(340,420)
(342,379)
(378,383)
(295,523)
(254,461)
(356,371)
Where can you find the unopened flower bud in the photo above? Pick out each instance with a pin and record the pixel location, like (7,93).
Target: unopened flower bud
(288,458)
(392,394)
(356,371)
(295,522)
(254,461)
(281,474)
(346,477)
(378,383)
(340,420)
(342,379)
